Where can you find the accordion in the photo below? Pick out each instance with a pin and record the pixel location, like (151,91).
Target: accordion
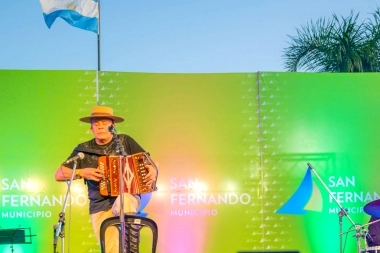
(133,173)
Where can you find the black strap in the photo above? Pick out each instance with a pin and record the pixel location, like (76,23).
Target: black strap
(88,150)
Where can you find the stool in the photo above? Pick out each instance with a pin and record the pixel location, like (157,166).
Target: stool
(133,225)
(374,249)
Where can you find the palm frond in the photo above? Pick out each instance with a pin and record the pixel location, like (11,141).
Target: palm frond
(339,44)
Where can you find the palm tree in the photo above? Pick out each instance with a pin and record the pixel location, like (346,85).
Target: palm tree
(336,45)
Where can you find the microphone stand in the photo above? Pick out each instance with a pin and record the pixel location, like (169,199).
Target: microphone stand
(343,212)
(364,233)
(59,229)
(122,154)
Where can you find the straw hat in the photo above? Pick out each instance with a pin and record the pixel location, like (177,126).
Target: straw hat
(102,112)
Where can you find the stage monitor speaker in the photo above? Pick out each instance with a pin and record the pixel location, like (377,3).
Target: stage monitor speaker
(16,236)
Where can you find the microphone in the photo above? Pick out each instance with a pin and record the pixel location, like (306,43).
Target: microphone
(55,227)
(56,235)
(80,156)
(112,129)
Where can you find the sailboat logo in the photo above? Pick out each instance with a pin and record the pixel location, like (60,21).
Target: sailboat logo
(307,197)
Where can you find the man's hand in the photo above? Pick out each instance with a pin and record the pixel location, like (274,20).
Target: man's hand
(92,174)
(152,174)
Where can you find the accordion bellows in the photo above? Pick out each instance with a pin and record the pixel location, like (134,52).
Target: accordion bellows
(133,174)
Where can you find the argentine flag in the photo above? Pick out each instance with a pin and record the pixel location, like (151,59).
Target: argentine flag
(83,14)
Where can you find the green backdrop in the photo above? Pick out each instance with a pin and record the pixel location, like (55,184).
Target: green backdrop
(232,148)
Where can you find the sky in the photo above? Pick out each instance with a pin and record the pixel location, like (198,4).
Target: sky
(165,36)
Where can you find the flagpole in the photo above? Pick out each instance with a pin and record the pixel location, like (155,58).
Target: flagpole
(121,215)
(98,51)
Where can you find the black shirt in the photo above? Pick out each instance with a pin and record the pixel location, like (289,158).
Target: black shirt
(92,151)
